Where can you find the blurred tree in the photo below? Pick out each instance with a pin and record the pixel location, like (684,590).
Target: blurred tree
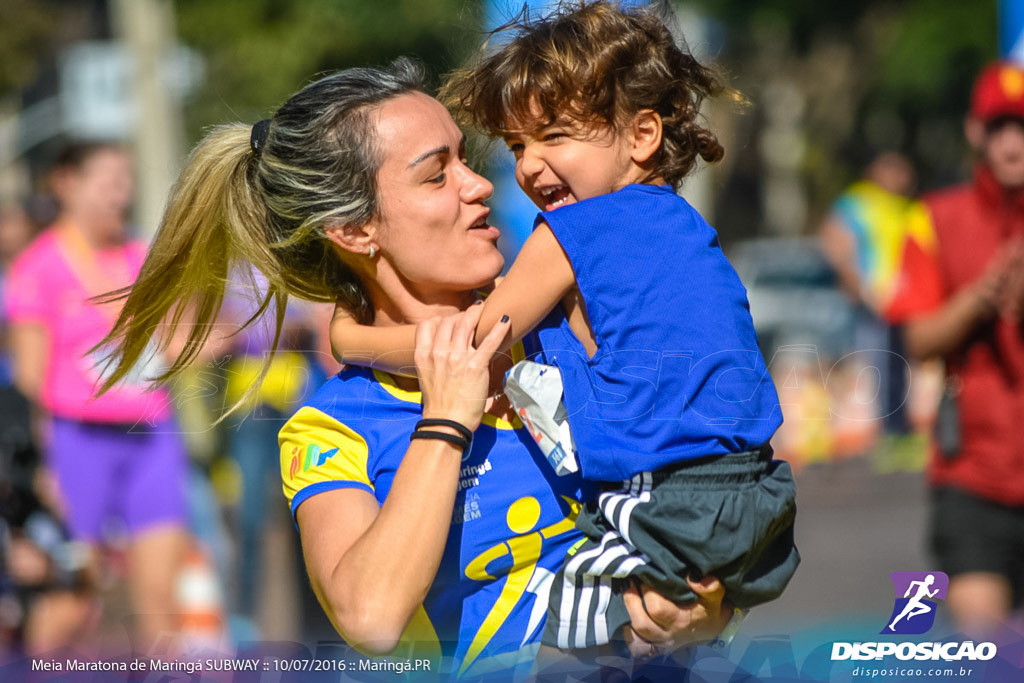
(25,29)
(859,77)
(829,82)
(258,52)
(33,34)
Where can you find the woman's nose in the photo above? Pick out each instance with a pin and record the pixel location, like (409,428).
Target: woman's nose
(475,188)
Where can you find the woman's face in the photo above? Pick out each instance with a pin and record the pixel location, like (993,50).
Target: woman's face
(99,194)
(432,225)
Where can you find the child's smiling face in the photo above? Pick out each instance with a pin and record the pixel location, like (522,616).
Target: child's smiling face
(564,162)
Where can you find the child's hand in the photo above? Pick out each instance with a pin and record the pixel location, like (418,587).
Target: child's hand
(454,375)
(660,625)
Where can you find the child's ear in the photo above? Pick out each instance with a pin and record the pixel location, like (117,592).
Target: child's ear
(646,135)
(357,239)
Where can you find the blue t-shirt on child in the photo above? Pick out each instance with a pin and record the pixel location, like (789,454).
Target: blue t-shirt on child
(677,373)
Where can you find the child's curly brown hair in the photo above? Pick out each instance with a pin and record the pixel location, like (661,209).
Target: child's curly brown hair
(590,62)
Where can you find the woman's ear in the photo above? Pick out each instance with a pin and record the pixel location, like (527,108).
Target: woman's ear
(646,131)
(357,239)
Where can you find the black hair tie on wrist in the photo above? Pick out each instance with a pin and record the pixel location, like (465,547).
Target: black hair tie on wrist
(440,422)
(441,436)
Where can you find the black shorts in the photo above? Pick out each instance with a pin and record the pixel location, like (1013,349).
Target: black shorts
(972,534)
(727,516)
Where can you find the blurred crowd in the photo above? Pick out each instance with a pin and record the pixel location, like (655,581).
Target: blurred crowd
(937,289)
(135,513)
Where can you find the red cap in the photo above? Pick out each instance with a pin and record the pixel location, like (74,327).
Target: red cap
(999,91)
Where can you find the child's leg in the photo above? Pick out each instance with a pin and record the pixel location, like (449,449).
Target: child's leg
(585,606)
(732,511)
(729,516)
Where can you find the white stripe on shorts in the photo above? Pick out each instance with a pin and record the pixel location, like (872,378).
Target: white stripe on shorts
(583,614)
(572,586)
(586,584)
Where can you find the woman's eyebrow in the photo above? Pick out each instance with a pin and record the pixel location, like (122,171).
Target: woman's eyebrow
(443,149)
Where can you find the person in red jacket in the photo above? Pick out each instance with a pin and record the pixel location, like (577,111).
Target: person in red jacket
(960,294)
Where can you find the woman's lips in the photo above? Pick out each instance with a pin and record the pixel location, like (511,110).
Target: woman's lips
(487,229)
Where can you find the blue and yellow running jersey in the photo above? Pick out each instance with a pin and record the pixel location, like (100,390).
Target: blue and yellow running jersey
(511,527)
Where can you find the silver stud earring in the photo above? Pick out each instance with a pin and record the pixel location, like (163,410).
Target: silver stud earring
(371,252)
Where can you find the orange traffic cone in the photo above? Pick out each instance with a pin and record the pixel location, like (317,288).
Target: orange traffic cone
(201,602)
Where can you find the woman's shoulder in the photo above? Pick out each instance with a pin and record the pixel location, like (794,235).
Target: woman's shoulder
(37,272)
(363,395)
(40,252)
(348,413)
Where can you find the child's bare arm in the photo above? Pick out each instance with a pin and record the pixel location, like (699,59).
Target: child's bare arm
(536,282)
(385,348)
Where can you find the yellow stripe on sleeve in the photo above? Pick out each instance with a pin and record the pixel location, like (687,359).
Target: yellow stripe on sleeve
(317,450)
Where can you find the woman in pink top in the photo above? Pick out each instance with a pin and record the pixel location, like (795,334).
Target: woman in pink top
(119,455)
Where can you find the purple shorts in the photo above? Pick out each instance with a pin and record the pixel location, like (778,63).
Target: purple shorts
(133,473)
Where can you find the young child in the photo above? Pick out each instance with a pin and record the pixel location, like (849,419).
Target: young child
(665,390)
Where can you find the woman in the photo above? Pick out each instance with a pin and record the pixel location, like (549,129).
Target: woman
(94,445)
(358,190)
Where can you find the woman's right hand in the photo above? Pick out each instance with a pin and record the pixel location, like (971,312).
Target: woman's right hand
(454,376)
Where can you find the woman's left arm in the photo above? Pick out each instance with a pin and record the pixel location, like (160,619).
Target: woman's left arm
(29,344)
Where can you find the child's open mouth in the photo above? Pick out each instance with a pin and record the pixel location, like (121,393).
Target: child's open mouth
(555,196)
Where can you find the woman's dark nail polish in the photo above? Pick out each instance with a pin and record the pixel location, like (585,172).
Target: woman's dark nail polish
(478,303)
(504,318)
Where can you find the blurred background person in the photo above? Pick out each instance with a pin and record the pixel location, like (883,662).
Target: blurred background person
(45,593)
(862,238)
(251,437)
(16,231)
(960,294)
(116,457)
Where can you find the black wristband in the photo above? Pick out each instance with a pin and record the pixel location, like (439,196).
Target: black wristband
(441,436)
(440,422)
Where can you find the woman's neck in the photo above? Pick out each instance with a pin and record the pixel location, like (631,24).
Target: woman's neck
(399,302)
(92,236)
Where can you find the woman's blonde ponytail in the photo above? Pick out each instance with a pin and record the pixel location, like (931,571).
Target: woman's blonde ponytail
(237,204)
(213,219)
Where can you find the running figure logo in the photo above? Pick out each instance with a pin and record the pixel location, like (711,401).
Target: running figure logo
(914,613)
